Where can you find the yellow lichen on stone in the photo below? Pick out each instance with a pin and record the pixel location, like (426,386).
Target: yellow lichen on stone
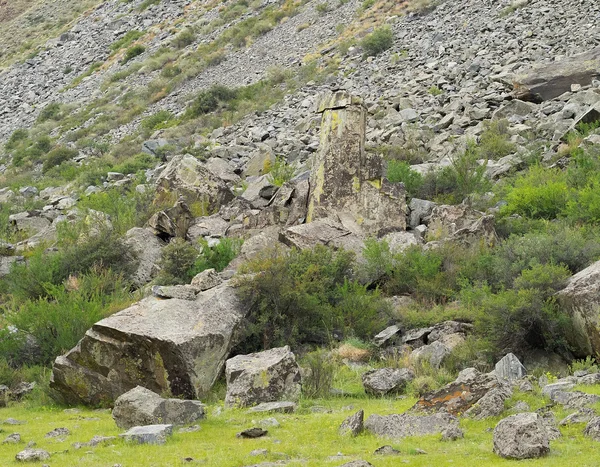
(317,192)
(355,184)
(376,183)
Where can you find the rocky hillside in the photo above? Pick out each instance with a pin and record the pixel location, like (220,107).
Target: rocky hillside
(263,205)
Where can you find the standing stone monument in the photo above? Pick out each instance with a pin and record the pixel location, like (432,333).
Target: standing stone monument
(348,182)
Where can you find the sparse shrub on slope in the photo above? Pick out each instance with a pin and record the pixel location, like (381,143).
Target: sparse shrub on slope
(378,41)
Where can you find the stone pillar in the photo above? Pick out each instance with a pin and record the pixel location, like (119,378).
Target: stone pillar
(346,181)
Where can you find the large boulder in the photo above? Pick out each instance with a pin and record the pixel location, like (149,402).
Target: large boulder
(549,81)
(188,177)
(163,345)
(387,380)
(521,436)
(403,425)
(140,406)
(269,376)
(580,299)
(327,231)
(460,395)
(148,434)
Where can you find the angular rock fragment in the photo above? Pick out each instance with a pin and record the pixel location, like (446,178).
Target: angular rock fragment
(521,436)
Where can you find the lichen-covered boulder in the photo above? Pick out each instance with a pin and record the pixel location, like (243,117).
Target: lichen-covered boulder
(163,345)
(147,249)
(188,177)
(269,376)
(140,406)
(521,436)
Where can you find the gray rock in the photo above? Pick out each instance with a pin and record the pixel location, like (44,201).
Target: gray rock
(521,436)
(58,432)
(575,399)
(579,298)
(433,353)
(581,416)
(452,433)
(420,209)
(345,179)
(14,438)
(188,177)
(141,406)
(389,336)
(32,455)
(491,404)
(252,433)
(550,389)
(509,368)
(206,279)
(176,345)
(353,425)
(387,380)
(149,434)
(386,450)
(592,429)
(550,81)
(182,292)
(95,441)
(358,463)
(147,249)
(269,376)
(403,425)
(274,407)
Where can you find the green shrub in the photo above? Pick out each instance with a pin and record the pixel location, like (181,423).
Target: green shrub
(60,321)
(400,171)
(322,8)
(52,111)
(177,263)
(303,296)
(494,142)
(519,319)
(378,41)
(553,244)
(136,163)
(539,193)
(126,40)
(469,173)
(160,119)
(133,52)
(588,364)
(82,248)
(57,156)
(280,172)
(210,100)
(217,256)
(321,371)
(184,38)
(16,137)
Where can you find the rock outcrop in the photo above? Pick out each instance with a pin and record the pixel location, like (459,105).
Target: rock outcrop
(164,345)
(269,376)
(403,425)
(387,380)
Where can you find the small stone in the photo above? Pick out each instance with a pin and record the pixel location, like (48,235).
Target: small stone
(12,421)
(252,433)
(420,451)
(281,407)
(452,433)
(592,429)
(15,438)
(32,455)
(189,429)
(269,422)
(386,450)
(259,452)
(58,432)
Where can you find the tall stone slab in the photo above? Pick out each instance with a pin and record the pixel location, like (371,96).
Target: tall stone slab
(346,181)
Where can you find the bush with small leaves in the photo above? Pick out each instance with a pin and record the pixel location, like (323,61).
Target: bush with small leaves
(378,41)
(133,52)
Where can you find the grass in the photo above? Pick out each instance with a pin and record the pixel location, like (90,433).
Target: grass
(308,438)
